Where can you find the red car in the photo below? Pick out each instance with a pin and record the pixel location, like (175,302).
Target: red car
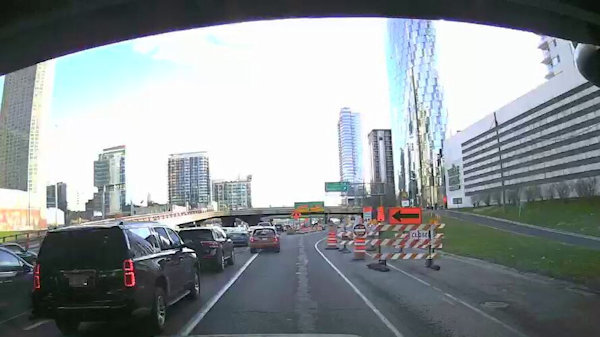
(265,238)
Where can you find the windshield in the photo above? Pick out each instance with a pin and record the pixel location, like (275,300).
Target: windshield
(342,176)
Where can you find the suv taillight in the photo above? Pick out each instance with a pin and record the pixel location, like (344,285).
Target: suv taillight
(252,239)
(36,277)
(211,244)
(128,273)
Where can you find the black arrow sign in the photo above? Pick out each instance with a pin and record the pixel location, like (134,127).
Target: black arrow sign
(399,216)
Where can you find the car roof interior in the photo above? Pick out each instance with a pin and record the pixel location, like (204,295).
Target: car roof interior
(37,30)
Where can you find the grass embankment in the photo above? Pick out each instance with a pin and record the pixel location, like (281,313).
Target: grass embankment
(574,215)
(524,253)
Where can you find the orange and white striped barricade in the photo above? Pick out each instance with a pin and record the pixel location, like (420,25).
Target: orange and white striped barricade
(360,248)
(411,237)
(360,236)
(331,238)
(345,241)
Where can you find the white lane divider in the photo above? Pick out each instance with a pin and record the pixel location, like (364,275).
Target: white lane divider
(13,317)
(35,325)
(369,304)
(193,322)
(477,310)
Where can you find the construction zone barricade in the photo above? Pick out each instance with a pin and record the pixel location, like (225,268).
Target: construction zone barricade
(411,241)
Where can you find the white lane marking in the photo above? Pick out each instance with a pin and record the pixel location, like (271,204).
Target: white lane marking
(13,317)
(477,310)
(371,306)
(35,325)
(193,322)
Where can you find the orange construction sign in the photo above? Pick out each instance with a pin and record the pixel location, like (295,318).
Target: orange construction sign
(380,214)
(405,216)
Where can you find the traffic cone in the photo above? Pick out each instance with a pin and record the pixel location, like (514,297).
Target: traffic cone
(331,238)
(359,248)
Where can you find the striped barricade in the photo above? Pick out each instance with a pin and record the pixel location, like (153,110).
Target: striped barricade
(421,236)
(360,248)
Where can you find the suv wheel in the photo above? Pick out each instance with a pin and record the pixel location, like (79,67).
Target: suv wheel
(67,326)
(231,260)
(158,316)
(195,289)
(220,263)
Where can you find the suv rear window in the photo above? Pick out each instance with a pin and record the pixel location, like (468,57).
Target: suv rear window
(197,235)
(264,232)
(94,248)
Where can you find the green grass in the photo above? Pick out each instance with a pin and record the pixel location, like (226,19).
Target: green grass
(575,215)
(524,253)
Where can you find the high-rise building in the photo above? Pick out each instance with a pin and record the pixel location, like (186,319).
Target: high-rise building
(558,55)
(189,179)
(382,162)
(350,155)
(233,195)
(51,196)
(350,146)
(109,179)
(418,111)
(23,114)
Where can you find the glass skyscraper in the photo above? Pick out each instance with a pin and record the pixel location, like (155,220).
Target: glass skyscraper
(109,179)
(418,112)
(350,146)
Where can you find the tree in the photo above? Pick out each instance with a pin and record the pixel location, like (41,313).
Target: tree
(533,193)
(486,198)
(514,196)
(585,188)
(497,197)
(548,192)
(475,200)
(563,190)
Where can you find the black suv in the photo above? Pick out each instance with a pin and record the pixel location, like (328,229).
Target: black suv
(113,271)
(213,246)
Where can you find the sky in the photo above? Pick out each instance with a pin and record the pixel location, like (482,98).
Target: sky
(262,98)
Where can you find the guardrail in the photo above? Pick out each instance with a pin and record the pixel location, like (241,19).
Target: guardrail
(24,236)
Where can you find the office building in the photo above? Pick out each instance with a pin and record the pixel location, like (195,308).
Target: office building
(52,191)
(558,55)
(109,179)
(417,107)
(189,179)
(23,114)
(382,162)
(233,195)
(547,136)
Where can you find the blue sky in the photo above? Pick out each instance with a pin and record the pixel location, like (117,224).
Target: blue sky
(262,98)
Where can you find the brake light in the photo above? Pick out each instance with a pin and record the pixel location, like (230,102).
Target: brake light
(211,244)
(276,239)
(36,277)
(252,239)
(128,273)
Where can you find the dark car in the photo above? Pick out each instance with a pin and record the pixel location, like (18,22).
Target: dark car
(112,271)
(16,280)
(279,228)
(23,253)
(213,246)
(238,235)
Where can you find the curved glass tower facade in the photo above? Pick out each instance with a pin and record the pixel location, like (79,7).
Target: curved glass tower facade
(418,116)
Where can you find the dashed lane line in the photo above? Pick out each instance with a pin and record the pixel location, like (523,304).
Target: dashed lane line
(477,310)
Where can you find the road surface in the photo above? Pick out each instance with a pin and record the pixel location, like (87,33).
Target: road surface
(306,289)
